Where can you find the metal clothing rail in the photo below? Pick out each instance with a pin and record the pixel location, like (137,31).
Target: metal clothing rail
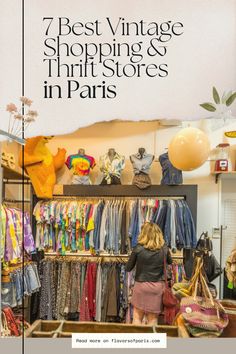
(106,255)
(77,254)
(66,198)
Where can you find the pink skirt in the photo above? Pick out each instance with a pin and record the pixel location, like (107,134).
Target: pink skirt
(147,296)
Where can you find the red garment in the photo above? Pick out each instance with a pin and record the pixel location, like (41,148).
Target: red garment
(11,321)
(88,299)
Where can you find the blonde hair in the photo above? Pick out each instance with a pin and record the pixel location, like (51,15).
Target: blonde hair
(151,236)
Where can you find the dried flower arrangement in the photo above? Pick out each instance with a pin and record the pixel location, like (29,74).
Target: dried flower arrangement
(18,121)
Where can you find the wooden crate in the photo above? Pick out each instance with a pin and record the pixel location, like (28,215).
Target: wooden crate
(230,308)
(64,329)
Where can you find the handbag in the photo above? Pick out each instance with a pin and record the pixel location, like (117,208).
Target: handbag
(204,243)
(4,330)
(203,316)
(211,267)
(11,322)
(185,288)
(169,300)
(213,290)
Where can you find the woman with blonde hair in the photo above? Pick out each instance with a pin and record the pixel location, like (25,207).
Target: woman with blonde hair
(148,257)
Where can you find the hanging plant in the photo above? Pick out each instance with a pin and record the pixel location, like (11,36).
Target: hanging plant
(220,104)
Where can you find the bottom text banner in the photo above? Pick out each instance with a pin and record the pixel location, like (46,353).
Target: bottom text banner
(119,340)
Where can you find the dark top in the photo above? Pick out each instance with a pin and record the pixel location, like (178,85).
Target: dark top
(149,264)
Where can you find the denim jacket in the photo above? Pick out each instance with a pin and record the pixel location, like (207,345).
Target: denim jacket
(170,174)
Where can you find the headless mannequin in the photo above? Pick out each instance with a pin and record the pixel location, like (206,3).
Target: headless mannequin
(81,165)
(141,152)
(141,164)
(170,174)
(111,164)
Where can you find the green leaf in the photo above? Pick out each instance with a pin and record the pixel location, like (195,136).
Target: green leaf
(216,96)
(225,96)
(208,106)
(231,99)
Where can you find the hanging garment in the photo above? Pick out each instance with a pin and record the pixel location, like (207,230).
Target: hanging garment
(47,299)
(12,245)
(111,298)
(135,224)
(98,293)
(170,174)
(130,286)
(12,234)
(100,290)
(2,231)
(123,293)
(124,234)
(104,279)
(88,299)
(75,288)
(110,225)
(63,290)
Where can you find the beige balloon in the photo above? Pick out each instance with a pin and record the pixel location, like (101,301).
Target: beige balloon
(189,149)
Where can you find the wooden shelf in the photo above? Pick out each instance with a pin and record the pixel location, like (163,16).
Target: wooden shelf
(229,174)
(10,174)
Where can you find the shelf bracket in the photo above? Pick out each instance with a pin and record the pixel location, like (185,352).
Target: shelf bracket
(217,177)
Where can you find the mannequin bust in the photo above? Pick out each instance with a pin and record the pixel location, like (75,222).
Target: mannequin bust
(141,165)
(170,174)
(80,164)
(111,164)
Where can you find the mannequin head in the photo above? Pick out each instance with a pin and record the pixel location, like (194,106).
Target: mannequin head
(81,152)
(141,151)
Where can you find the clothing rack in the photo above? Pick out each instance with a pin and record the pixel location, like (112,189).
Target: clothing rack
(90,258)
(74,254)
(101,255)
(186,192)
(65,198)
